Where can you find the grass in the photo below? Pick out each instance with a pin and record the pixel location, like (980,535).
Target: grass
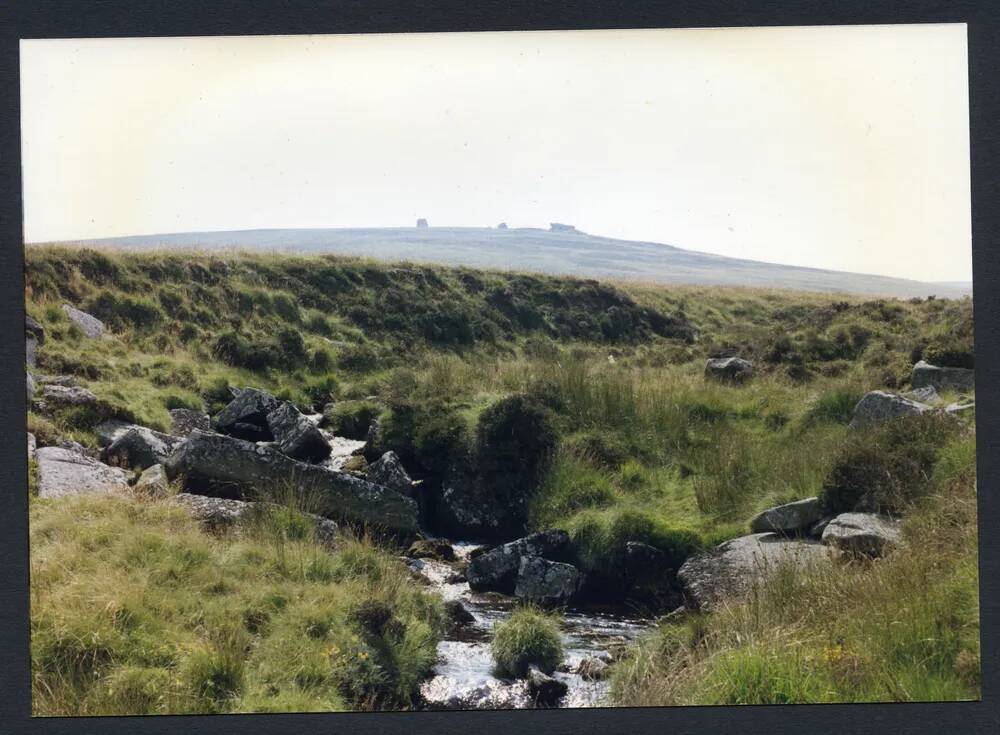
(135,610)
(529,637)
(905,628)
(585,404)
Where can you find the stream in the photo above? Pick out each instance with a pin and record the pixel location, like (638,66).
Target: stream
(464,678)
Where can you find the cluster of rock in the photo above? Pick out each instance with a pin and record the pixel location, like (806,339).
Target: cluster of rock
(733,370)
(534,568)
(795,538)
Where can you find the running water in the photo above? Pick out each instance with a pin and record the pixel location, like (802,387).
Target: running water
(464,676)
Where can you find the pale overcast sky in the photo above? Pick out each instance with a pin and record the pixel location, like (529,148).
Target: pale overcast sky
(836,147)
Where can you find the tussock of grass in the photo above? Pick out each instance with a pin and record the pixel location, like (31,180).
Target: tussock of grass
(136,610)
(904,628)
(529,637)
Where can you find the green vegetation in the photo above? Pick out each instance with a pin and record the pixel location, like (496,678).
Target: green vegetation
(582,406)
(529,637)
(135,610)
(904,628)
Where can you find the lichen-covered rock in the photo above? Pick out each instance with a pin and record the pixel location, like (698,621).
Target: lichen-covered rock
(295,435)
(862,534)
(729,369)
(496,570)
(245,417)
(31,388)
(89,325)
(942,378)
(32,444)
(879,405)
(731,569)
(546,582)
(185,420)
(227,514)
(63,472)
(153,482)
(593,668)
(388,471)
(138,448)
(788,518)
(927,394)
(60,396)
(223,466)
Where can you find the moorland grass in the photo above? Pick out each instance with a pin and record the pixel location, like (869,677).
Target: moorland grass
(529,637)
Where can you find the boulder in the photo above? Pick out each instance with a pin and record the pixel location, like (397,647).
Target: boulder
(732,568)
(942,378)
(111,429)
(496,570)
(295,435)
(67,381)
(422,223)
(185,420)
(593,668)
(544,690)
(63,397)
(729,369)
(926,394)
(354,463)
(965,410)
(214,464)
(862,534)
(789,518)
(456,613)
(34,335)
(30,387)
(388,471)
(63,472)
(90,325)
(879,405)
(138,448)
(643,564)
(222,514)
(431,549)
(32,444)
(245,417)
(546,582)
(153,482)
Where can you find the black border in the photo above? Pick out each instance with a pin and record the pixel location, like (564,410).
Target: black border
(104,18)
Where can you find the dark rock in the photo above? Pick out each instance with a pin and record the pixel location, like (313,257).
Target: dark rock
(34,336)
(496,570)
(816,530)
(546,582)
(421,223)
(185,420)
(544,690)
(431,549)
(643,563)
(63,472)
(879,406)
(295,435)
(942,378)
(502,226)
(245,417)
(862,534)
(729,369)
(91,326)
(138,448)
(788,518)
(214,464)
(388,471)
(111,429)
(733,568)
(456,613)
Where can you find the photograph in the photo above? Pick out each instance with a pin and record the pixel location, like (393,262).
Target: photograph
(500,370)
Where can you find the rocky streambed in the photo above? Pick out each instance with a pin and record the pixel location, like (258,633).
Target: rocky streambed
(464,677)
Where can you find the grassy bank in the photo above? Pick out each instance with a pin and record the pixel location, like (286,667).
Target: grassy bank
(626,441)
(136,610)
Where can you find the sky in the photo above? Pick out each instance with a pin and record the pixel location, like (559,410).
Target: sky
(835,147)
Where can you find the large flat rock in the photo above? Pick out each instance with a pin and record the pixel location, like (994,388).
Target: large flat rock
(731,569)
(63,472)
(223,466)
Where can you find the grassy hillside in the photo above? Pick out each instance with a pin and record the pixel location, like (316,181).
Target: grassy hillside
(627,440)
